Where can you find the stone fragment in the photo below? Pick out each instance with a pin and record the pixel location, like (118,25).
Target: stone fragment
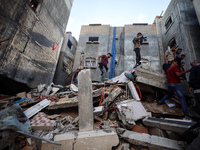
(151,141)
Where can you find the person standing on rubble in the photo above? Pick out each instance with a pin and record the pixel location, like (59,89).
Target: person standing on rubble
(137,41)
(174,85)
(103,65)
(194,83)
(73,76)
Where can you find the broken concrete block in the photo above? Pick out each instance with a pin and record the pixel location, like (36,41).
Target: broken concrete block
(169,125)
(36,108)
(114,93)
(85,101)
(90,140)
(63,103)
(133,110)
(151,141)
(98,109)
(151,78)
(133,91)
(157,132)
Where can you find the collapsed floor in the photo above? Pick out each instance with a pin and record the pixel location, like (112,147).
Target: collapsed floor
(124,115)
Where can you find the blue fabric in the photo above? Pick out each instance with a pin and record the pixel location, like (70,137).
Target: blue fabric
(103,70)
(112,64)
(176,87)
(75,80)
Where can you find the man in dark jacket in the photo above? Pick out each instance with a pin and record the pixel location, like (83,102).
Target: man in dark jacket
(194,83)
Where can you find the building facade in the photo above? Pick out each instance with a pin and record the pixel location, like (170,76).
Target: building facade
(179,25)
(97,39)
(31,35)
(66,60)
(197,8)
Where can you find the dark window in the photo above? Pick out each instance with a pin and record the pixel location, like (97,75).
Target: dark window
(172,42)
(168,22)
(69,44)
(92,39)
(33,4)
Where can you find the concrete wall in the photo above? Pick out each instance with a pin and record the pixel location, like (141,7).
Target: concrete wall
(66,60)
(184,28)
(149,52)
(197,8)
(93,50)
(28,56)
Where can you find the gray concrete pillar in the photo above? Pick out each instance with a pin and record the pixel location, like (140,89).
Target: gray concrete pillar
(85,101)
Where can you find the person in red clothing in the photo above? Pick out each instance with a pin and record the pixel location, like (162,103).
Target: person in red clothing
(174,85)
(103,65)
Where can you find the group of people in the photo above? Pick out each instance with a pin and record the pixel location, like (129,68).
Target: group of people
(174,68)
(175,73)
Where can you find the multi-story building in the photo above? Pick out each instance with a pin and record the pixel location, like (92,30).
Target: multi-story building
(179,25)
(66,60)
(197,8)
(31,35)
(97,39)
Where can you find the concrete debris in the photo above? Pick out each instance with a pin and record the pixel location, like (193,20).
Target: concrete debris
(151,141)
(133,110)
(151,78)
(86,140)
(168,125)
(78,116)
(36,108)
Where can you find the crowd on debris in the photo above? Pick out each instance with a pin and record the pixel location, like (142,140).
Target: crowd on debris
(124,104)
(136,105)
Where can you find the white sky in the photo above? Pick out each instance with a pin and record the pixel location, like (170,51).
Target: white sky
(113,12)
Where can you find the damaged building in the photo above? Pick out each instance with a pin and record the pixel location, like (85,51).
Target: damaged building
(31,35)
(122,113)
(179,25)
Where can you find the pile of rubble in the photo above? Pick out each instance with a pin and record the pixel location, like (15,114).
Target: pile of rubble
(117,114)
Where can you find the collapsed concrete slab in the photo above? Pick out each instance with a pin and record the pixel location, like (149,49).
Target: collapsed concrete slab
(120,79)
(64,103)
(98,140)
(163,109)
(132,110)
(151,141)
(151,78)
(169,125)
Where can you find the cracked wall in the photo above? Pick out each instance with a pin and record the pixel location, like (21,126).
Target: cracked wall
(27,56)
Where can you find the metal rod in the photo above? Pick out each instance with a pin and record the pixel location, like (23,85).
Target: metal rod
(40,138)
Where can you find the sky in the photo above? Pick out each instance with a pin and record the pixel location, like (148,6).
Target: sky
(113,12)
